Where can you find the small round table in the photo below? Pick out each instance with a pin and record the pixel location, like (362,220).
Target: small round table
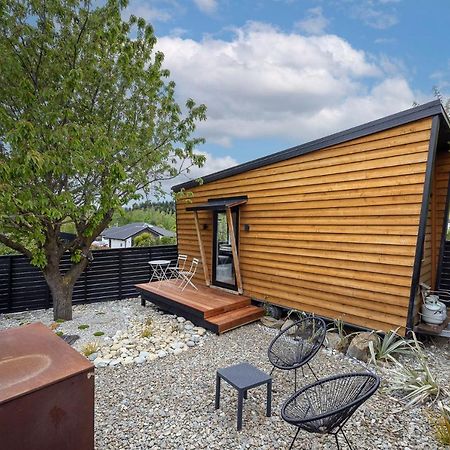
(159,269)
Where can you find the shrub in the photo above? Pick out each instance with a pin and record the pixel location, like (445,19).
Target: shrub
(83,327)
(167,240)
(145,240)
(98,333)
(59,333)
(90,348)
(59,320)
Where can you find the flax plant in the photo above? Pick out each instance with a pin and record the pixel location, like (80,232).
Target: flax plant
(418,384)
(388,348)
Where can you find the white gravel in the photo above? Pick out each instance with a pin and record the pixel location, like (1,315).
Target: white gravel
(168,403)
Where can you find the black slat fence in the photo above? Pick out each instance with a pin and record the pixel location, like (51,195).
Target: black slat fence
(110,276)
(444,276)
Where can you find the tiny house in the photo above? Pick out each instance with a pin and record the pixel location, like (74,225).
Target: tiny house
(346,226)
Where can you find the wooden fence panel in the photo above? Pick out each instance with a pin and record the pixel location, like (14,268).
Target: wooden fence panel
(110,276)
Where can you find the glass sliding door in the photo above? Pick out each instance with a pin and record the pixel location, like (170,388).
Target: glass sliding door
(223,266)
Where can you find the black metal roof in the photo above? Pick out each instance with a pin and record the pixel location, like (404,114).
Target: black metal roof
(410,115)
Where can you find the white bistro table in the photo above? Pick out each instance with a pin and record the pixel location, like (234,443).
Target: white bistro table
(159,269)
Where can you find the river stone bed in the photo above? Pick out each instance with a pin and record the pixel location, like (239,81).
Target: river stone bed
(132,334)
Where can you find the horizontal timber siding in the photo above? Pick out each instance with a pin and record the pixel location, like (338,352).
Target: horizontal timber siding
(331,232)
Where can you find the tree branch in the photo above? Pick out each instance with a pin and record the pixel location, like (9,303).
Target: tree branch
(15,245)
(75,271)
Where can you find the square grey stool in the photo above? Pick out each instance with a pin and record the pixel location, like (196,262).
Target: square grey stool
(243,377)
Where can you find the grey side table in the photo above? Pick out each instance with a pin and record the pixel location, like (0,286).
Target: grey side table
(243,377)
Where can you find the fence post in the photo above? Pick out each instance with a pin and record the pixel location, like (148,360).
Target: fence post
(86,284)
(120,275)
(47,295)
(150,256)
(10,282)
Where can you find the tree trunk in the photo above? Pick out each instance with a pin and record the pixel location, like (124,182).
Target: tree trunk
(61,285)
(61,291)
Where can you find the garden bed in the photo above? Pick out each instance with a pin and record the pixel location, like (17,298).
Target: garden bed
(118,332)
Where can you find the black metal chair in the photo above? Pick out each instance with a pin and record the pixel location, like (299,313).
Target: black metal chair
(295,346)
(325,406)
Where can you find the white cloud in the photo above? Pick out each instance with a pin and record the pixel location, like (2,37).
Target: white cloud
(213,164)
(155,10)
(378,14)
(149,13)
(314,23)
(376,18)
(265,83)
(384,40)
(206,6)
(178,32)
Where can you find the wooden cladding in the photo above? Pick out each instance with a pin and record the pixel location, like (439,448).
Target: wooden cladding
(331,232)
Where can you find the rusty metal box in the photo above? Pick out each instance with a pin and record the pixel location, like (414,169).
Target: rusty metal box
(46,392)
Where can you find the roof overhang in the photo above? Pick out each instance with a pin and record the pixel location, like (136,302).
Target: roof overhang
(218,204)
(410,115)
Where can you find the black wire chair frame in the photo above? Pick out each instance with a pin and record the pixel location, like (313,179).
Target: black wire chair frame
(314,410)
(295,346)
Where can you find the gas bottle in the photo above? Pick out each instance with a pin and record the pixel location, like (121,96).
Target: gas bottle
(434,312)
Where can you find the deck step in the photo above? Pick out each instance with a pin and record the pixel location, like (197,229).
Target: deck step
(241,302)
(237,317)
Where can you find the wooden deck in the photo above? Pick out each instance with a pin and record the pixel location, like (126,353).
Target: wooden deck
(213,309)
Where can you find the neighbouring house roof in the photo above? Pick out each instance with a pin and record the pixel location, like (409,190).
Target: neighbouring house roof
(132,229)
(410,115)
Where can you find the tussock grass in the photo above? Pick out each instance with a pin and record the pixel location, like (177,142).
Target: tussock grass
(442,425)
(146,331)
(90,348)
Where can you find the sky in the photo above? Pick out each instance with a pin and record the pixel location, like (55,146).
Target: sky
(279,73)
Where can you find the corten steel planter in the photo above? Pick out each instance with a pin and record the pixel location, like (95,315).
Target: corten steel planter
(46,392)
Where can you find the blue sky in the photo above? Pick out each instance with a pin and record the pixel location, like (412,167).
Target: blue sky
(277,73)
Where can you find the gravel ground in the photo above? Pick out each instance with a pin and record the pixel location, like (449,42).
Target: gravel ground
(168,403)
